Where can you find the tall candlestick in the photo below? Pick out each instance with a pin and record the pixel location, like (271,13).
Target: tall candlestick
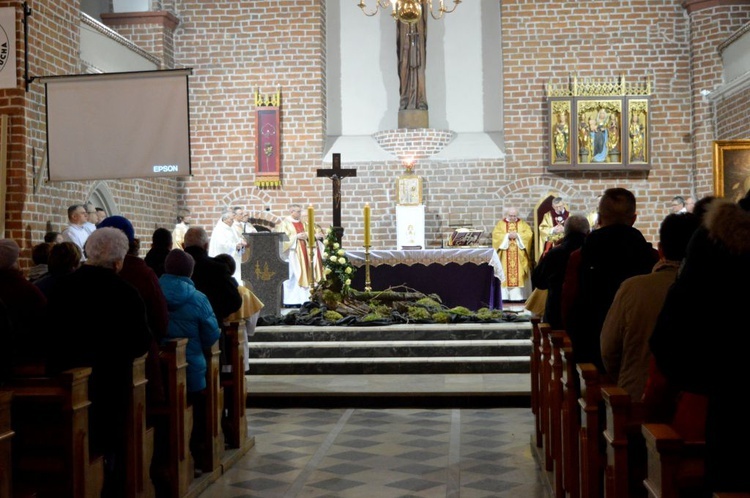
(367,225)
(310,225)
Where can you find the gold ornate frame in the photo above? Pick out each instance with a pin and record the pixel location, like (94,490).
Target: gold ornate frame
(598,125)
(409,190)
(731,168)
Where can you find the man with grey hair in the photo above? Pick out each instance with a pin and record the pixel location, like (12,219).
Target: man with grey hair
(210,276)
(107,338)
(549,273)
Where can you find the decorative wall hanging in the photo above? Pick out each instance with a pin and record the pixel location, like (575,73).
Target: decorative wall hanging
(598,125)
(267,140)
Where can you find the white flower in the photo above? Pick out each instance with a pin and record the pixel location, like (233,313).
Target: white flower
(341,252)
(336,245)
(342,261)
(328,271)
(325,255)
(348,281)
(348,270)
(333,258)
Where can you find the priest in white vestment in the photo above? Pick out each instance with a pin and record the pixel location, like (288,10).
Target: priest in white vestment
(226,240)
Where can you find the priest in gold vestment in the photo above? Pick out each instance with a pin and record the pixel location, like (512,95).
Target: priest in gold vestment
(512,239)
(297,288)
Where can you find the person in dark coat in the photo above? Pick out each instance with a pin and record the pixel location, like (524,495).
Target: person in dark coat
(700,341)
(26,306)
(107,338)
(550,272)
(139,275)
(161,244)
(610,254)
(210,276)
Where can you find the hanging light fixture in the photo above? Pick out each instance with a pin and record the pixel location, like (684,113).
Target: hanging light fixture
(408,11)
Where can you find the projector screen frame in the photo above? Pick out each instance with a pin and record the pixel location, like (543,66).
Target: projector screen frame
(112,149)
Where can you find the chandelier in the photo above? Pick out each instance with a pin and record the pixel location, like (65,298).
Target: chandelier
(408,11)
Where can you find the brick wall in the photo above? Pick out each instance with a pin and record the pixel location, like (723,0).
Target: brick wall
(236,49)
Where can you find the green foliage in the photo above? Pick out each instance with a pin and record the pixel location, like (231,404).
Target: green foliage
(332,316)
(418,313)
(371,317)
(461,310)
(430,303)
(441,317)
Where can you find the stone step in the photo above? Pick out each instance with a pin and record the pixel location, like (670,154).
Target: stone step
(471,348)
(387,349)
(390,365)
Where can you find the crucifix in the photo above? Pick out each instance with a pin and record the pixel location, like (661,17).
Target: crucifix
(336,174)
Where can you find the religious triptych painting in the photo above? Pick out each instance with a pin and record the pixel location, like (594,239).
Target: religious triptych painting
(598,125)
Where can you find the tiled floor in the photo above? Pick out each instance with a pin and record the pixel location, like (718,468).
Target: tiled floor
(388,452)
(384,453)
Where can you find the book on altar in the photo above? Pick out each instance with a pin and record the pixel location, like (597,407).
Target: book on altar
(465,237)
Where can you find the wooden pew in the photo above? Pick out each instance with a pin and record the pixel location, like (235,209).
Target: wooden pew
(545,381)
(139,437)
(625,456)
(234,421)
(590,436)
(214,436)
(673,464)
(51,442)
(558,340)
(536,343)
(173,470)
(6,436)
(571,423)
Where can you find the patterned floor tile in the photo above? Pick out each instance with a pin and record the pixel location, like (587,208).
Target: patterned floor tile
(388,453)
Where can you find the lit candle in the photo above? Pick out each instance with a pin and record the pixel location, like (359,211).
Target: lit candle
(367,225)
(310,225)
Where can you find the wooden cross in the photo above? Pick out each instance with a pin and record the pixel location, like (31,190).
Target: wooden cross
(336,174)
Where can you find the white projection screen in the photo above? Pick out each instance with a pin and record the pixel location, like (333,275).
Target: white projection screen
(118,125)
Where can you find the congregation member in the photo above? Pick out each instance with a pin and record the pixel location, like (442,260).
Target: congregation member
(512,238)
(53,237)
(92,217)
(137,273)
(689,203)
(75,231)
(610,254)
(296,289)
(64,258)
(552,226)
(549,274)
(40,258)
(677,204)
(25,303)
(249,312)
(700,342)
(210,276)
(632,316)
(190,317)
(107,338)
(225,239)
(161,244)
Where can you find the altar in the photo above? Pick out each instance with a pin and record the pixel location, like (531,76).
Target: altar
(467,276)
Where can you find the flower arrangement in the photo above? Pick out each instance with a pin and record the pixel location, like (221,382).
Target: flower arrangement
(337,270)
